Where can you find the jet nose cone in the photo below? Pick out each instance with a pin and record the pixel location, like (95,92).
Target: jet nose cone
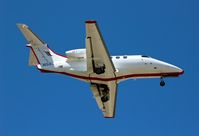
(178,70)
(181,72)
(169,68)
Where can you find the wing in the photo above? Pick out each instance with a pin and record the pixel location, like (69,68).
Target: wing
(105,95)
(98,58)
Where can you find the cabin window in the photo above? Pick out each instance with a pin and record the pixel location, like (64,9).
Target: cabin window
(125,57)
(117,57)
(60,66)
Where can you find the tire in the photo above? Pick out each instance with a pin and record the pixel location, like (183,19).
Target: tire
(162,83)
(105,98)
(99,70)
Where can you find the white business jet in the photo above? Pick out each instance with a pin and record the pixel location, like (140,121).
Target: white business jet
(95,66)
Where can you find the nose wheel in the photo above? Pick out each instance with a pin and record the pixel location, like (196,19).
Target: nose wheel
(162,83)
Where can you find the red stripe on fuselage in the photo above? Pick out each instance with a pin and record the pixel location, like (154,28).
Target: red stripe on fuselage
(173,74)
(57,53)
(49,49)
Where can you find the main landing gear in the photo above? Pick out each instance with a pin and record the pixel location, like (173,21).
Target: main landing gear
(101,91)
(104,93)
(99,69)
(162,83)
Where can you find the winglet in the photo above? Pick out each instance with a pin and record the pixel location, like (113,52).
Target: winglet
(22,26)
(90,22)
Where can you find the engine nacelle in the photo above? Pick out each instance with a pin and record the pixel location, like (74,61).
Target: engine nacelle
(76,53)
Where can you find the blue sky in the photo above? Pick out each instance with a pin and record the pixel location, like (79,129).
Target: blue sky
(32,103)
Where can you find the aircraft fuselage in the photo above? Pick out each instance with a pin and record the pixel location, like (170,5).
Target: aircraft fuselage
(127,66)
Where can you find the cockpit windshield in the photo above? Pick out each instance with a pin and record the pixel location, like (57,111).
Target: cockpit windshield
(144,56)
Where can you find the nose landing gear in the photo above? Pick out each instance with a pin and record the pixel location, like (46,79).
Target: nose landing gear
(162,83)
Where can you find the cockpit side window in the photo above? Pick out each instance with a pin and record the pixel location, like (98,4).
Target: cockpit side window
(144,56)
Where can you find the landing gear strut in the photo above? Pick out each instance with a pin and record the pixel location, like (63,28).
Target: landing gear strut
(162,83)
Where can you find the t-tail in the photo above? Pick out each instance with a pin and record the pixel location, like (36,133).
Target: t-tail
(40,54)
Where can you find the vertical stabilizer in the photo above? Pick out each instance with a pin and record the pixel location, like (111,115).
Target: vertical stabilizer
(39,53)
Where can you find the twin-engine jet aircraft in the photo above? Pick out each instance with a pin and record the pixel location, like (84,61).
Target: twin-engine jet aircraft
(95,66)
